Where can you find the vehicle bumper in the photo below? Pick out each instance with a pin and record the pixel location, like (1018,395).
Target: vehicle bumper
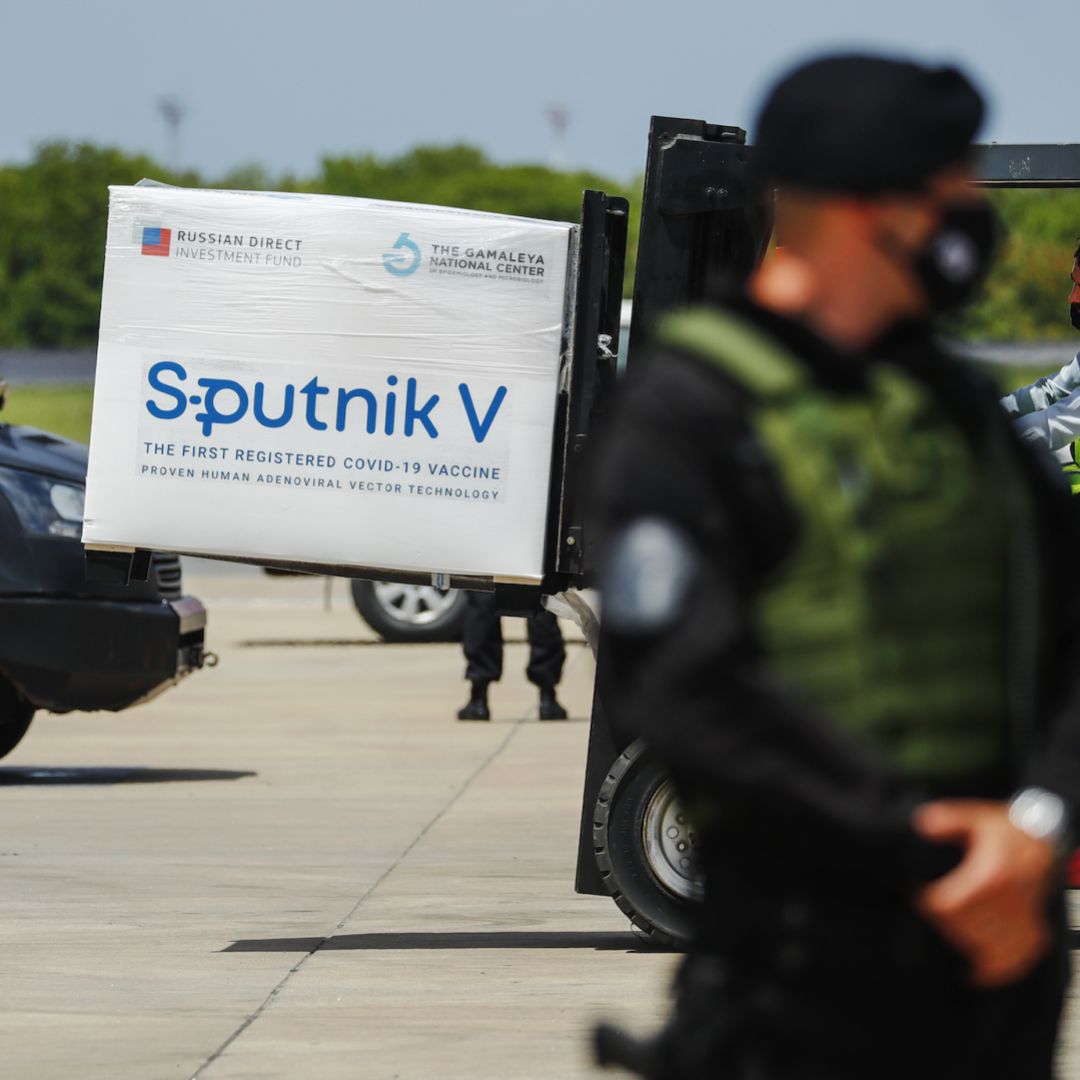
(65,653)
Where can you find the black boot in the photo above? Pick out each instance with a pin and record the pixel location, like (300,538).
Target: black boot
(550,709)
(477,707)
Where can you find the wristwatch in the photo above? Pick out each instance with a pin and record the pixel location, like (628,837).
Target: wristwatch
(1043,815)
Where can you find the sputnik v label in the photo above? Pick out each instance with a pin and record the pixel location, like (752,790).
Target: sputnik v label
(427,437)
(230,401)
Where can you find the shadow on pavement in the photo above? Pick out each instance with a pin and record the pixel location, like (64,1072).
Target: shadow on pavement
(497,939)
(321,643)
(310,643)
(606,941)
(35,775)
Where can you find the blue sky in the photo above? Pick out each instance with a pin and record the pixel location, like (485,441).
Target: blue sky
(283,83)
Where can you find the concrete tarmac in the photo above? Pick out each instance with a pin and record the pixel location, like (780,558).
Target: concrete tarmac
(298,864)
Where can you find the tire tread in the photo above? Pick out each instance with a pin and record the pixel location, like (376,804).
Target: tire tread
(601,821)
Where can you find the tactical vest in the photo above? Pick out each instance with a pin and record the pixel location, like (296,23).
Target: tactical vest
(1071,469)
(892,615)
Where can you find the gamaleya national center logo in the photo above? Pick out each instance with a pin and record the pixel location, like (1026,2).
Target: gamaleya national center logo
(156,240)
(403,258)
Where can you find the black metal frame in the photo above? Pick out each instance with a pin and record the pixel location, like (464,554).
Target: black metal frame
(698,210)
(588,379)
(1028,165)
(702,217)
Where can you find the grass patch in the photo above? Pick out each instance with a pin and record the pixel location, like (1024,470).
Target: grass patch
(64,410)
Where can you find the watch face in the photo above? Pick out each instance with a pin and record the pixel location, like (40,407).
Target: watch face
(1039,813)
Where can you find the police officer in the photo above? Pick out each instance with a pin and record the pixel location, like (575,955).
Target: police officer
(824,606)
(483,644)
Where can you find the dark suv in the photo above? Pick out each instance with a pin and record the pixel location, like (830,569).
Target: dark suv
(66,642)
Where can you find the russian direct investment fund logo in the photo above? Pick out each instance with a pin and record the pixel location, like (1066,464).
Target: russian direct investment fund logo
(403,258)
(156,240)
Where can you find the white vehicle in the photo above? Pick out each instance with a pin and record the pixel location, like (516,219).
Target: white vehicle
(400,612)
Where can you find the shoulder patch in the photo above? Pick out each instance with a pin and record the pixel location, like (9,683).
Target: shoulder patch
(650,569)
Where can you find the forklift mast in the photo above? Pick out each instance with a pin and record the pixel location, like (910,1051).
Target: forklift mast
(704,221)
(704,225)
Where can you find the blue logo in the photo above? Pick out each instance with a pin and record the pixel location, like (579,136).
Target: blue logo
(404,258)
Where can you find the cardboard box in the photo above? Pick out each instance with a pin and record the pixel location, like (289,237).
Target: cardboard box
(329,381)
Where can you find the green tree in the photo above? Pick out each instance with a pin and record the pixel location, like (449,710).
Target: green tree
(54,209)
(53,215)
(1025,298)
(462,176)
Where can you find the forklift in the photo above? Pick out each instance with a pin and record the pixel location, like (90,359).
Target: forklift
(702,217)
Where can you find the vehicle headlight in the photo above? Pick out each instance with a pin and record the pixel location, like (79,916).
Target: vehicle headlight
(44,507)
(68,501)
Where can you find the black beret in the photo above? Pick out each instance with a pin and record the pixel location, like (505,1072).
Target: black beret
(865,125)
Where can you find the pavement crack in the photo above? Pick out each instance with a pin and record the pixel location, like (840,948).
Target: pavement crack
(276,991)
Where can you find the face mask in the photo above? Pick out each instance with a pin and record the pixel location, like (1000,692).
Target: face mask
(958,255)
(956,258)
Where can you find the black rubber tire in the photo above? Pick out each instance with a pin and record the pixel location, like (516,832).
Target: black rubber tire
(15,716)
(618,842)
(446,626)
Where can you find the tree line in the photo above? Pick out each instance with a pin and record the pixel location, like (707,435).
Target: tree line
(54,210)
(1026,298)
(53,214)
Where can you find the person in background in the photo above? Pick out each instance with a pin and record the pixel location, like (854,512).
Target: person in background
(1047,412)
(483,644)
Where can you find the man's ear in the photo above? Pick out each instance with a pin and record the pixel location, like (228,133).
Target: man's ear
(784,282)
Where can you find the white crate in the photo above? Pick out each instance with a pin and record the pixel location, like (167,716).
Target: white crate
(326,381)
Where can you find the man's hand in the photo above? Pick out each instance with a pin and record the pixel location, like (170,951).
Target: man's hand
(992,907)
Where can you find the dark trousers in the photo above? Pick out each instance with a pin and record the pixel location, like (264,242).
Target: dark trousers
(867,1006)
(483,643)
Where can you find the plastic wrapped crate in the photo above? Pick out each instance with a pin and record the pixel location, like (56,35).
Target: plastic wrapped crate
(325,381)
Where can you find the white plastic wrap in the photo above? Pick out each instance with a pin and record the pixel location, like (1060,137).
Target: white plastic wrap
(326,380)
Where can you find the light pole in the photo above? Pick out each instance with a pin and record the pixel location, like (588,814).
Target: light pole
(172,112)
(559,119)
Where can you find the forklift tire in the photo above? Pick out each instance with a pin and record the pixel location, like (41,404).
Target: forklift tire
(15,716)
(644,848)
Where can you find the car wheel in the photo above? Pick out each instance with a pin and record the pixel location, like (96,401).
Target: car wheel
(398,612)
(15,716)
(645,847)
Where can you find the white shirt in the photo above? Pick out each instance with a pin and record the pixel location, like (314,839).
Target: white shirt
(1047,411)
